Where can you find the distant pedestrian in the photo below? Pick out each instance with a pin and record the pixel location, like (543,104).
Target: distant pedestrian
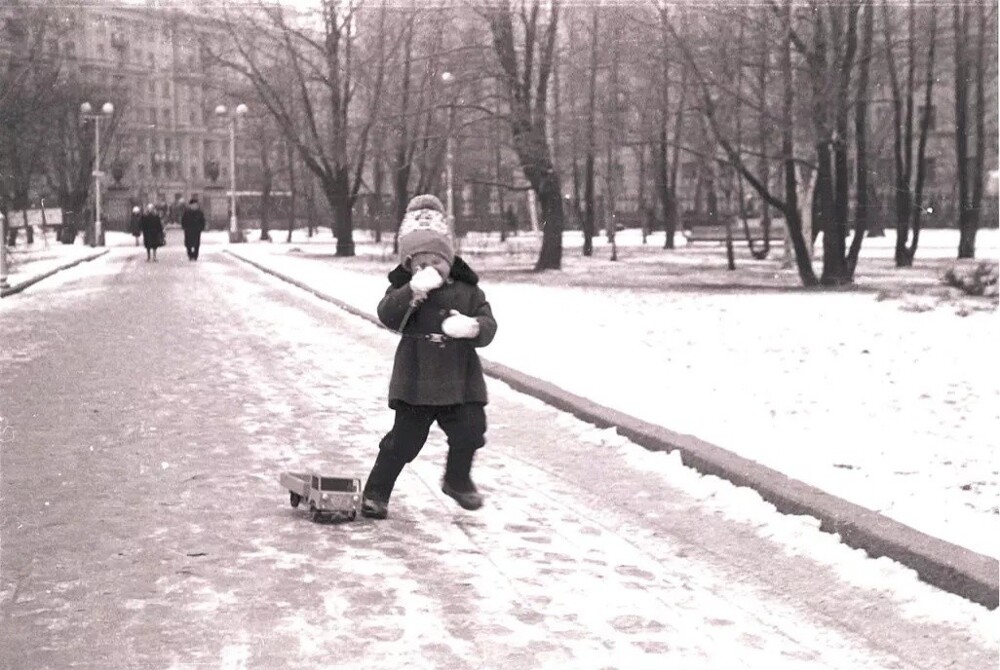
(152,231)
(135,223)
(442,315)
(193,223)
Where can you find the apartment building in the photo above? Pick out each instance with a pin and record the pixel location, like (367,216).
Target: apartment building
(168,143)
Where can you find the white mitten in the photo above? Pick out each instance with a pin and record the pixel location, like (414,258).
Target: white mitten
(458,325)
(424,281)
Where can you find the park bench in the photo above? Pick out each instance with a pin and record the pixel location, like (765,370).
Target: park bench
(704,228)
(46,220)
(700,228)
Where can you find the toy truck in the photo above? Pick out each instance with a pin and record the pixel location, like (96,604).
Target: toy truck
(328,497)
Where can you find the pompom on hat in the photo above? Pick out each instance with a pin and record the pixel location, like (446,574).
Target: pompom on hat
(425,229)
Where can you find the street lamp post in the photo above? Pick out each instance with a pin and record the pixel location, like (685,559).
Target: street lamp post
(222,112)
(448,78)
(87,114)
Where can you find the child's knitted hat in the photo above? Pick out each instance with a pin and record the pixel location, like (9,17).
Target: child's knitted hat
(425,229)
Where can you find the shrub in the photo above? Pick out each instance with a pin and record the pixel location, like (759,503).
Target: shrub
(973,278)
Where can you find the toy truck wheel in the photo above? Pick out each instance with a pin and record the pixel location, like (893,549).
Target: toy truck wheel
(294,498)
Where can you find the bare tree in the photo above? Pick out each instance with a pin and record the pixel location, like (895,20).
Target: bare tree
(862,212)
(789,205)
(970,64)
(526,95)
(589,176)
(29,76)
(270,48)
(909,193)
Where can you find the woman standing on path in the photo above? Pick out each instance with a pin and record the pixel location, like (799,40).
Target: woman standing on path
(152,231)
(135,224)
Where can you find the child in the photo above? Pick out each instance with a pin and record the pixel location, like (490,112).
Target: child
(434,302)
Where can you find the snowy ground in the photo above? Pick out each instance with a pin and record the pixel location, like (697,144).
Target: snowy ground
(510,586)
(885,395)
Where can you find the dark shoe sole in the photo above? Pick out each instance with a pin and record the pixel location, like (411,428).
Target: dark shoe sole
(470,500)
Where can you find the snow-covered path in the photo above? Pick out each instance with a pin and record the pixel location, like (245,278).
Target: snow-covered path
(144,526)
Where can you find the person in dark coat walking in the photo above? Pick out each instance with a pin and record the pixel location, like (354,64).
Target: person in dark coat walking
(193,223)
(152,231)
(435,303)
(135,223)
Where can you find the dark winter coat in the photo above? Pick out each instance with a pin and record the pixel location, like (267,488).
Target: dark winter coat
(152,230)
(135,224)
(193,220)
(431,368)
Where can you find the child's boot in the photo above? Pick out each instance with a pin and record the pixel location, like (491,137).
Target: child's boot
(378,488)
(458,482)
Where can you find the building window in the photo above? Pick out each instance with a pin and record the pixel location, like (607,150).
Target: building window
(152,116)
(689,170)
(194,171)
(166,89)
(166,116)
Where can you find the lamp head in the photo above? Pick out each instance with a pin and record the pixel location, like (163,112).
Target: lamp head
(241,109)
(85,108)
(221,110)
(108,108)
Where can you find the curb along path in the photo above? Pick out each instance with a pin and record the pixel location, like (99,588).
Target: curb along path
(950,567)
(20,286)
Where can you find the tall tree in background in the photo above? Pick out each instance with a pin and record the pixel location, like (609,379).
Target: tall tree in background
(526,94)
(909,173)
(29,76)
(862,211)
(590,161)
(273,51)
(970,67)
(711,98)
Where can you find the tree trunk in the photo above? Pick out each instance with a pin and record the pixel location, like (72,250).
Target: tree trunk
(526,98)
(589,176)
(793,222)
(267,179)
(966,222)
(835,266)
(292,185)
(861,213)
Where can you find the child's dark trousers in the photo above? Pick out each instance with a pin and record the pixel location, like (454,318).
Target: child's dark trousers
(464,425)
